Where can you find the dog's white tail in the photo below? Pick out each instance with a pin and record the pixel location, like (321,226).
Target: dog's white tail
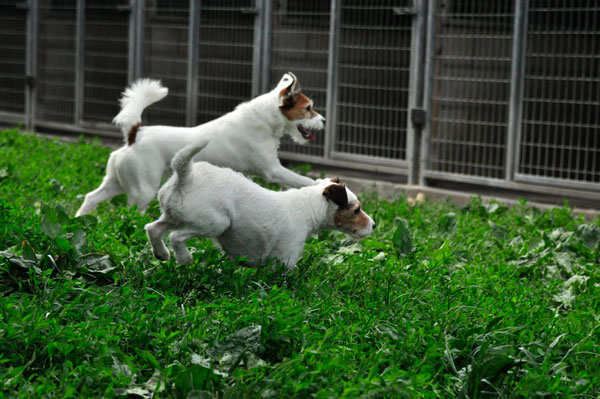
(136,97)
(182,161)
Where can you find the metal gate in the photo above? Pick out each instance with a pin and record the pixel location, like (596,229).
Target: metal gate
(512,95)
(360,61)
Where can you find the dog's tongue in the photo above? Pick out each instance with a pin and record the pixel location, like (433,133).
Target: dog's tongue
(306,134)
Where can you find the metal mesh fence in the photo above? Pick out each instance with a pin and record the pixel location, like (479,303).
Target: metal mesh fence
(12,63)
(373,75)
(470,88)
(224,56)
(300,44)
(561,114)
(56,62)
(105,58)
(166,29)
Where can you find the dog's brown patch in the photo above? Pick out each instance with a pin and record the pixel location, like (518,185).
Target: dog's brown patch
(335,179)
(133,133)
(352,218)
(298,107)
(337,194)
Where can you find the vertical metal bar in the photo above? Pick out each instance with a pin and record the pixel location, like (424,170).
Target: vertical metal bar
(515,110)
(332,84)
(257,48)
(139,38)
(132,41)
(266,45)
(428,90)
(192,62)
(415,88)
(31,64)
(79,61)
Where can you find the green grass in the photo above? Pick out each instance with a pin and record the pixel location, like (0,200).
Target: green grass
(441,301)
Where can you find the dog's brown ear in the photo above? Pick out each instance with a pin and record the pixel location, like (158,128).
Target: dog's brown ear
(337,194)
(335,179)
(289,94)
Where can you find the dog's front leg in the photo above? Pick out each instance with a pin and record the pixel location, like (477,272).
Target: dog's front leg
(287,178)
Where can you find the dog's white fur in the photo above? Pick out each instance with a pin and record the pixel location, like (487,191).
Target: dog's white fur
(246,140)
(202,200)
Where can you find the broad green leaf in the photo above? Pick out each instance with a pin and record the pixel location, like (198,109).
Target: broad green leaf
(50,225)
(402,238)
(63,244)
(79,242)
(589,234)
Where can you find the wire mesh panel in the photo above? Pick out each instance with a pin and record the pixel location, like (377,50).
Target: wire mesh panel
(106,58)
(373,77)
(300,44)
(470,87)
(165,57)
(13,39)
(224,56)
(56,61)
(561,115)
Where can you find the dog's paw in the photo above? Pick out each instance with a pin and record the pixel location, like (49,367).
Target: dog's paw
(184,259)
(162,254)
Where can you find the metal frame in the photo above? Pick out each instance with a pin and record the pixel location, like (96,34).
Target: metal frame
(31,61)
(192,62)
(257,47)
(332,66)
(515,112)
(415,88)
(428,90)
(79,62)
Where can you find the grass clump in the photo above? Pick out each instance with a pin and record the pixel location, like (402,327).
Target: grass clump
(441,301)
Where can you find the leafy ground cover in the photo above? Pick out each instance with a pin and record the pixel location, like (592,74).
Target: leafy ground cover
(441,301)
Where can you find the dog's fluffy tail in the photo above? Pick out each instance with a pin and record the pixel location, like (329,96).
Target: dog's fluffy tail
(136,97)
(182,161)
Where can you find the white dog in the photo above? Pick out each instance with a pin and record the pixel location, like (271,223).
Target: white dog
(245,140)
(202,200)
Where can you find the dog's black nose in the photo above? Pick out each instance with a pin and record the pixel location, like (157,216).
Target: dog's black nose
(374,225)
(324,121)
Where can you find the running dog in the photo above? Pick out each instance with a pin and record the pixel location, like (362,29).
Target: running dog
(202,200)
(245,140)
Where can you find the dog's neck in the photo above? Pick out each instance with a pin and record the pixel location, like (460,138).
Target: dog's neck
(310,202)
(266,108)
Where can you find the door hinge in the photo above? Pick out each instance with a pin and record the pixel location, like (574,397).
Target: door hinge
(30,81)
(417,117)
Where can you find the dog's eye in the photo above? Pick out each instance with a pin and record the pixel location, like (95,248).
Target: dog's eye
(308,108)
(357,211)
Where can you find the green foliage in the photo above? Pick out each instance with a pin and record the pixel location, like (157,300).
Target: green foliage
(441,301)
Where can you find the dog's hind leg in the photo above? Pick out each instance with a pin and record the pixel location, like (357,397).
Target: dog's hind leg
(155,231)
(178,239)
(142,197)
(109,188)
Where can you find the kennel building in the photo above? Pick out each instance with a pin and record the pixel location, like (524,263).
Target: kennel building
(494,93)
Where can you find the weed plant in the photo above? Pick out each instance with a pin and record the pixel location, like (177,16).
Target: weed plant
(440,302)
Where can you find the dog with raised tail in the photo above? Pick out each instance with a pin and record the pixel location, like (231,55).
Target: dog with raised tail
(246,140)
(247,220)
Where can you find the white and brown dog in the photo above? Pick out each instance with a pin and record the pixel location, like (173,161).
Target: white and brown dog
(202,200)
(246,140)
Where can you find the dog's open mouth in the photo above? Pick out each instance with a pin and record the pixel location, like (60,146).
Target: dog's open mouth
(307,134)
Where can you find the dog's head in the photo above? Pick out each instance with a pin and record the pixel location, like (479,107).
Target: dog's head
(302,121)
(344,209)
